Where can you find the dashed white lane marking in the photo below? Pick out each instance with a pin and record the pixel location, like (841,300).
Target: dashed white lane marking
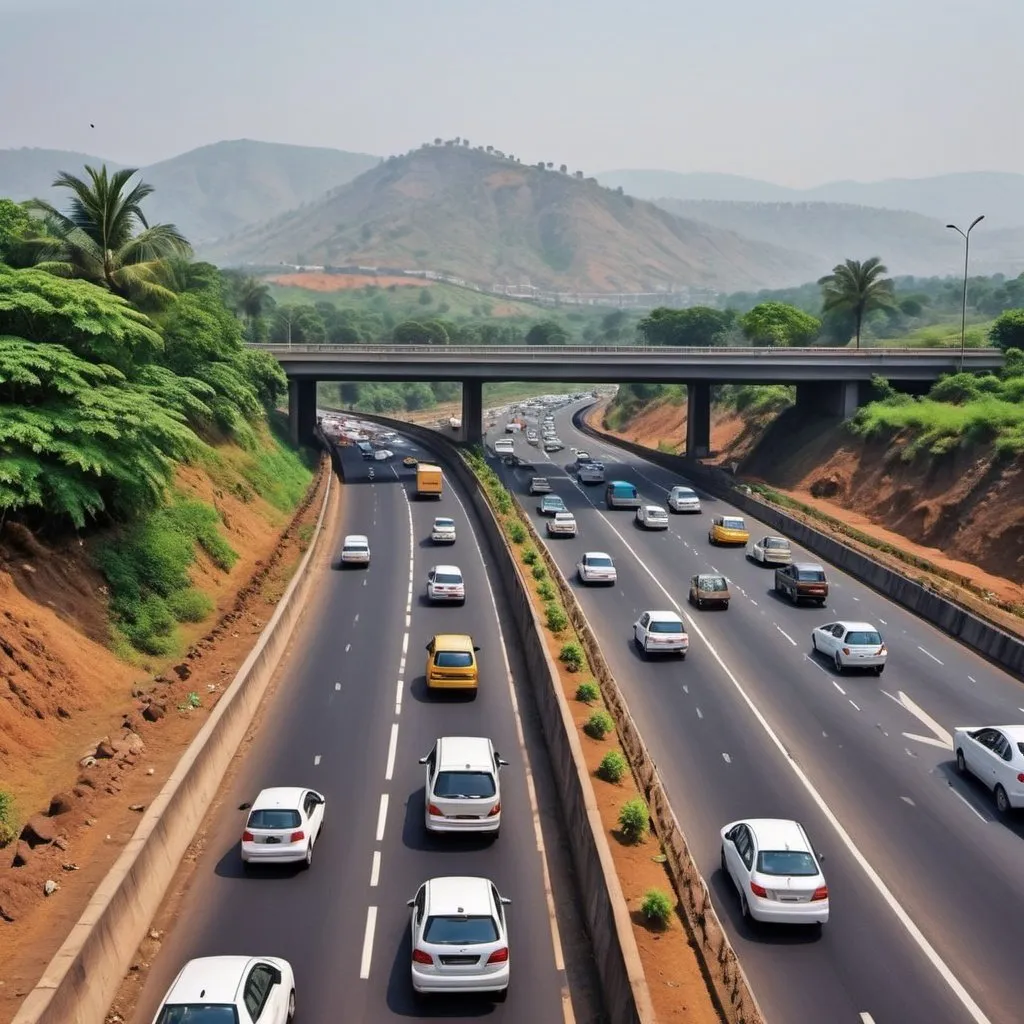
(392,749)
(838,687)
(337,686)
(348,647)
(316,760)
(686,689)
(929,653)
(907,800)
(364,581)
(382,816)
(971,679)
(375,870)
(408,621)
(857,706)
(356,619)
(405,644)
(753,602)
(967,803)
(866,1018)
(785,634)
(883,622)
(855,598)
(371,927)
(700,714)
(726,758)
(399,687)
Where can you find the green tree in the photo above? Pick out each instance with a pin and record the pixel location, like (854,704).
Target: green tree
(547,332)
(1008,330)
(697,326)
(858,288)
(778,323)
(99,239)
(415,332)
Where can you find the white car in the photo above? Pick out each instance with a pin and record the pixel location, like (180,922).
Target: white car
(231,990)
(851,645)
(652,517)
(562,524)
(775,871)
(596,567)
(661,633)
(504,446)
(463,791)
(553,445)
(283,826)
(683,499)
(445,583)
(770,551)
(443,530)
(582,457)
(355,550)
(460,937)
(590,472)
(994,754)
(540,485)
(383,454)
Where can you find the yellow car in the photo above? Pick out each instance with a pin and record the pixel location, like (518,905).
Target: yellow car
(728,530)
(410,460)
(451,663)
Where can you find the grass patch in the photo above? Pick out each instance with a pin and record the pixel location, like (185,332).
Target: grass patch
(279,474)
(10,824)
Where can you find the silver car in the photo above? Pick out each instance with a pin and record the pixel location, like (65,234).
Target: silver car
(683,499)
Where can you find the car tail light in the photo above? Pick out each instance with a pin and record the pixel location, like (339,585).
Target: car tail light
(435,810)
(881,650)
(821,893)
(247,837)
(758,890)
(496,809)
(297,837)
(419,957)
(499,956)
(1020,776)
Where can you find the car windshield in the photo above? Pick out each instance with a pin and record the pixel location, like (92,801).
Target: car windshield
(732,523)
(275,817)
(713,583)
(786,862)
(453,659)
(666,627)
(600,561)
(464,785)
(198,1013)
(777,544)
(811,575)
(863,638)
(442,524)
(460,931)
(684,492)
(447,577)
(554,503)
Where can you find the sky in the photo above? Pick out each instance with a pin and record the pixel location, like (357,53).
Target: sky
(797,92)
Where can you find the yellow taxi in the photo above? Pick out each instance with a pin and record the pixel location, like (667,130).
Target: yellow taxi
(451,663)
(728,530)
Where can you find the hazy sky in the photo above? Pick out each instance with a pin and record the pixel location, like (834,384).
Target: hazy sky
(793,91)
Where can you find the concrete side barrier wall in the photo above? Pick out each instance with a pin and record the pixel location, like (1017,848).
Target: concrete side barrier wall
(988,640)
(624,987)
(84,975)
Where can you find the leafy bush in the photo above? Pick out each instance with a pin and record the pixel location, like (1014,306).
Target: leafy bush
(634,821)
(571,656)
(189,605)
(530,556)
(557,620)
(9,825)
(587,693)
(539,572)
(613,767)
(657,907)
(546,590)
(599,724)
(516,531)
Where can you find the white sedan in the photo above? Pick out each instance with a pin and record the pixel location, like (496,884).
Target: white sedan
(383,454)
(683,499)
(851,645)
(445,583)
(661,633)
(775,871)
(994,754)
(443,530)
(562,524)
(652,517)
(770,551)
(231,990)
(283,826)
(596,567)
(460,937)
(355,550)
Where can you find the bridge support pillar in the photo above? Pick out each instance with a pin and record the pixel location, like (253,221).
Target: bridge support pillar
(301,411)
(698,419)
(473,411)
(840,398)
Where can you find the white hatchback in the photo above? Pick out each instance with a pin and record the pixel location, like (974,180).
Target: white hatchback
(462,792)
(596,567)
(652,517)
(443,530)
(445,583)
(683,499)
(775,871)
(851,645)
(460,937)
(283,826)
(355,550)
(231,990)
(770,551)
(661,633)
(995,755)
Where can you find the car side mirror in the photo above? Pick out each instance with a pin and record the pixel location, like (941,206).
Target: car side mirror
(424,760)
(820,856)
(410,903)
(476,648)
(505,901)
(502,763)
(427,648)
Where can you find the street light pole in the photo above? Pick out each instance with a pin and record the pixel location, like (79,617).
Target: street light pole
(967,251)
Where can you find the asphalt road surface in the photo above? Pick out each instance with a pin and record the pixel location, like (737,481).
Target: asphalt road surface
(351,719)
(926,884)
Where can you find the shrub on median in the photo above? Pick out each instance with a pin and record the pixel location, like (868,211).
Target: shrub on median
(571,656)
(634,821)
(530,556)
(546,591)
(516,531)
(9,827)
(557,620)
(657,907)
(587,693)
(599,724)
(613,767)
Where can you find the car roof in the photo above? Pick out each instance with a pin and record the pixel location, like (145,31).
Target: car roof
(458,894)
(1015,732)
(809,566)
(448,568)
(596,554)
(471,752)
(214,979)
(443,519)
(663,616)
(856,625)
(357,538)
(289,797)
(778,834)
(564,515)
(551,497)
(683,487)
(775,536)
(536,478)
(702,576)
(453,642)
(653,508)
(731,515)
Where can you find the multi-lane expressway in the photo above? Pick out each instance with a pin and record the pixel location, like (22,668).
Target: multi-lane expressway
(926,884)
(350,718)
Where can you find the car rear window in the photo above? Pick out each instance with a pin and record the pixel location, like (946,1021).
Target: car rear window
(275,817)
(198,1013)
(713,583)
(777,544)
(465,785)
(603,563)
(731,523)
(453,659)
(460,931)
(447,577)
(444,522)
(811,576)
(684,492)
(863,638)
(786,862)
(355,547)
(666,627)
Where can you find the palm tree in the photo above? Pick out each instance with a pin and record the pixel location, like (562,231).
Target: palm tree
(251,297)
(858,288)
(99,238)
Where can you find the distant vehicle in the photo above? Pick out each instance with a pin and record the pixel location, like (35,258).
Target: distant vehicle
(540,485)
(504,446)
(582,457)
(562,524)
(282,827)
(463,786)
(429,481)
(683,499)
(596,567)
(652,517)
(445,583)
(531,437)
(513,427)
(800,581)
(383,455)
(770,551)
(455,423)
(728,530)
(410,460)
(661,632)
(452,664)
(621,494)
(553,445)
(443,530)
(995,755)
(355,550)
(709,589)
(550,504)
(590,473)
(851,645)
(365,449)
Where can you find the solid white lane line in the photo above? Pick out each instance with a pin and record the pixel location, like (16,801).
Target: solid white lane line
(356,619)
(883,622)
(316,760)
(392,749)
(967,803)
(866,1018)
(382,815)
(371,927)
(375,870)
(786,635)
(929,653)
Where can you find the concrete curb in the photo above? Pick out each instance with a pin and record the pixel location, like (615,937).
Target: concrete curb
(82,979)
(991,642)
(625,992)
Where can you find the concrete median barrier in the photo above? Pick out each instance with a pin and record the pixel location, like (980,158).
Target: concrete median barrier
(986,639)
(83,977)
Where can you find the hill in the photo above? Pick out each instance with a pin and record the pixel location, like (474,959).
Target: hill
(910,243)
(956,197)
(491,221)
(207,192)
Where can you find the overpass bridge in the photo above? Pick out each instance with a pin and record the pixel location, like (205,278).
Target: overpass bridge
(829,381)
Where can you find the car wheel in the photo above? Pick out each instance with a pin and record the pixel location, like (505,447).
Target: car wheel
(821,602)
(961,762)
(744,906)
(879,669)
(725,605)
(308,862)
(700,603)
(776,587)
(291,1005)
(814,642)
(1002,801)
(839,662)
(500,997)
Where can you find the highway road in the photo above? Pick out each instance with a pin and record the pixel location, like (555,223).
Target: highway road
(925,883)
(350,718)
